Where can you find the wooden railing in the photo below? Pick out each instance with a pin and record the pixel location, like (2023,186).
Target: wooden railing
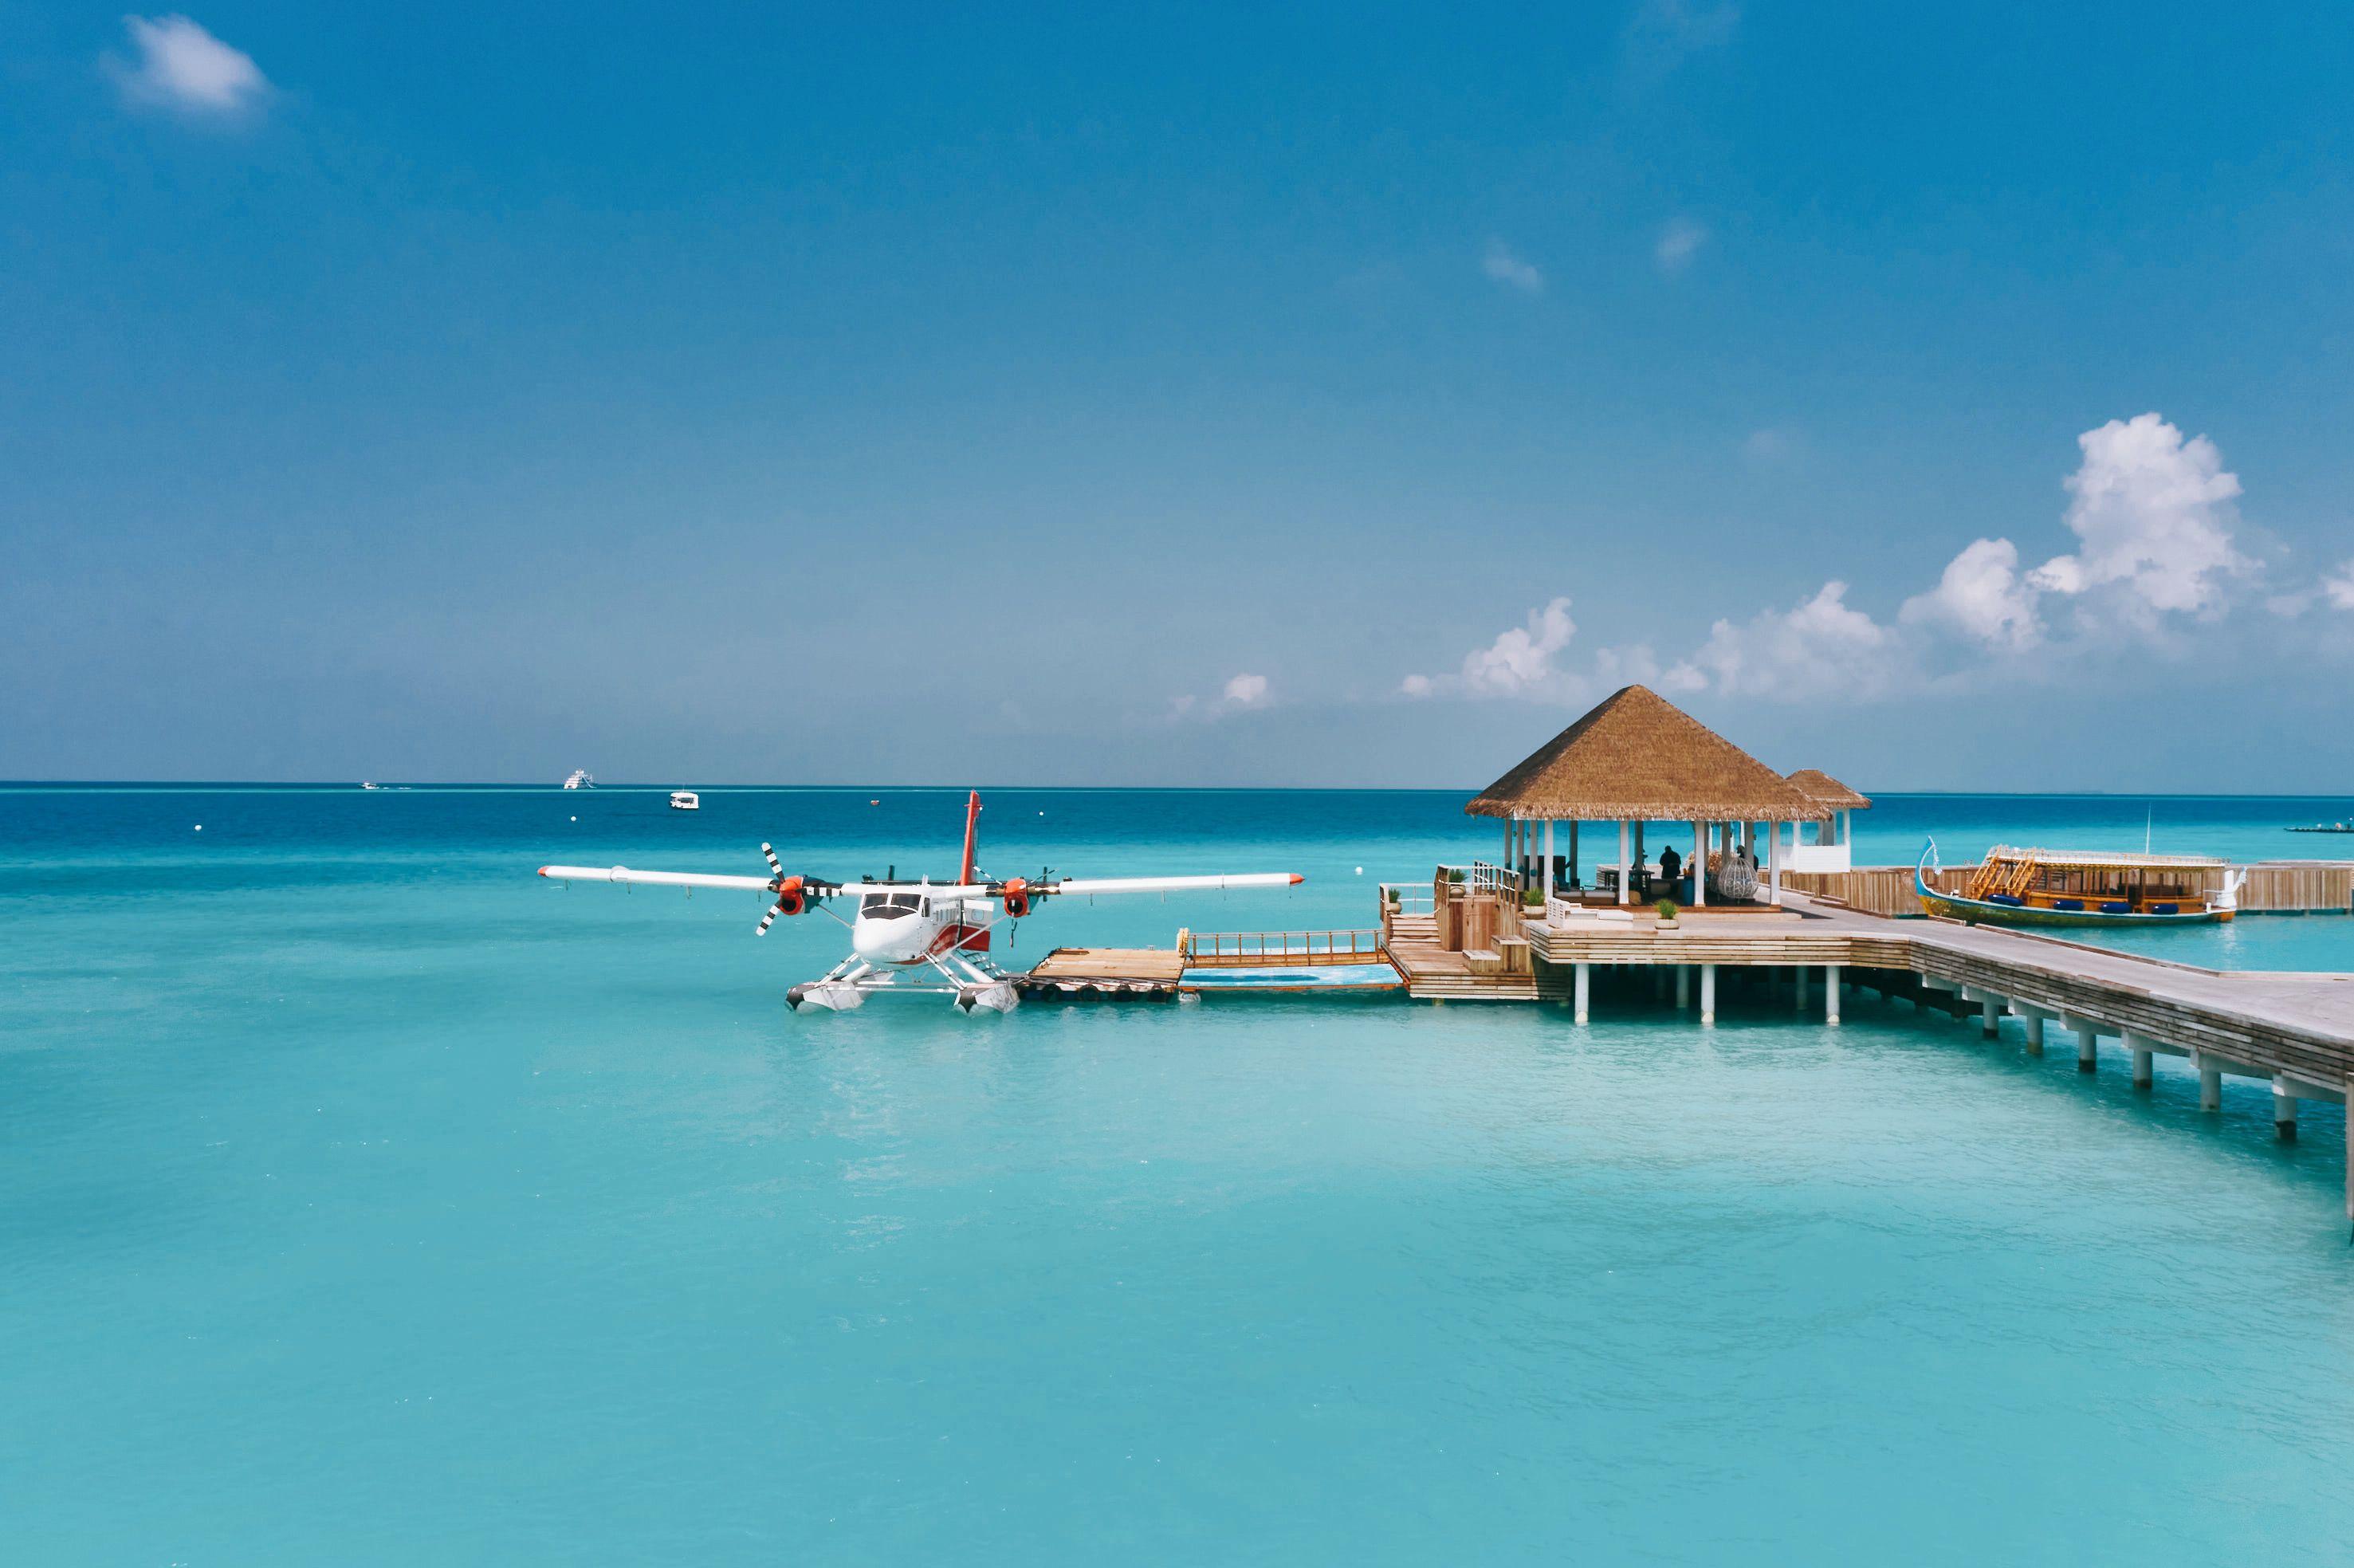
(1481,878)
(1255,949)
(1409,898)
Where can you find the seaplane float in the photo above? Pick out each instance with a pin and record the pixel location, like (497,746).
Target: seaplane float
(920,938)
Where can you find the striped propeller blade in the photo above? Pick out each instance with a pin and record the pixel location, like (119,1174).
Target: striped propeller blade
(770,917)
(775,864)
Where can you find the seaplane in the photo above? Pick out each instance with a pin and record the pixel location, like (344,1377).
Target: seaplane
(920,938)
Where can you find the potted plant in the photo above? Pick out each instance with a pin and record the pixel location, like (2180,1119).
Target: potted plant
(1666,909)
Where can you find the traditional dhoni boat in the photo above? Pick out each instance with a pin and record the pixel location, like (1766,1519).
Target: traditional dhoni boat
(2083,887)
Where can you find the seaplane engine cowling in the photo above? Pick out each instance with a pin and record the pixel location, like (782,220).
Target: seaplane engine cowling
(791,899)
(1016,894)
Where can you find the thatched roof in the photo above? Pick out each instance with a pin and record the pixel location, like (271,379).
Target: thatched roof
(1827,792)
(1638,756)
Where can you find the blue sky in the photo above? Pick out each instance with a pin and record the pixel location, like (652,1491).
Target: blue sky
(1131,396)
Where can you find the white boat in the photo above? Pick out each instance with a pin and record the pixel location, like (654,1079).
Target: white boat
(580,779)
(685,800)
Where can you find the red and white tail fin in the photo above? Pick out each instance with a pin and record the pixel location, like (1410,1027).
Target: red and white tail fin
(971,822)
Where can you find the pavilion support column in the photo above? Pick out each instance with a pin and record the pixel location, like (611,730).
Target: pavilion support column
(1574,826)
(1774,862)
(1584,991)
(1830,993)
(1544,879)
(1700,865)
(1623,890)
(1708,994)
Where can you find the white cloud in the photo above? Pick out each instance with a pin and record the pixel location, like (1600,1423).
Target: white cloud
(2152,515)
(1519,662)
(2339,587)
(2153,518)
(1522,659)
(184,67)
(1982,596)
(1679,242)
(1508,269)
(1820,646)
(1246,691)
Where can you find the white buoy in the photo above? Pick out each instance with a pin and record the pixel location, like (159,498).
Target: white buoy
(576,819)
(200,827)
(1360,871)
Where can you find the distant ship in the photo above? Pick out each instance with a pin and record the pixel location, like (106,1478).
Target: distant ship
(580,779)
(685,800)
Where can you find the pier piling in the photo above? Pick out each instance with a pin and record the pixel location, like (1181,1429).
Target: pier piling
(1585,989)
(1708,994)
(1830,993)
(2283,1110)
(2088,1051)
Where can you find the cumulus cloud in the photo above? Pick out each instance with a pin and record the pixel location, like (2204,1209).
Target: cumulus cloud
(2152,514)
(1519,662)
(2338,586)
(1982,596)
(182,65)
(1822,646)
(1246,691)
(1679,242)
(2153,519)
(1508,269)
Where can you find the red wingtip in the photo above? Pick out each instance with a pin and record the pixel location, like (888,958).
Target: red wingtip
(543,871)
(1297,879)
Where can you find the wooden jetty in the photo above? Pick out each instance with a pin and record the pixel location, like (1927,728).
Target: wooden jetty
(1531,928)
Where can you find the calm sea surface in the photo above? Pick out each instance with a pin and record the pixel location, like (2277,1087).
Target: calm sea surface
(366,1200)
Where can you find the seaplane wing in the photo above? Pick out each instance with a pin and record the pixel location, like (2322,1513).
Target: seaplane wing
(655,878)
(1088,886)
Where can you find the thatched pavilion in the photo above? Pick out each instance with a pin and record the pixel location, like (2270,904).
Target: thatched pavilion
(1835,806)
(1638,759)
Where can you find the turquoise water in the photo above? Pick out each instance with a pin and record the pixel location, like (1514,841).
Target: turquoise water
(367,1200)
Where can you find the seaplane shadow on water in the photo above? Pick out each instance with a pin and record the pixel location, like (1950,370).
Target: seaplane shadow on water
(920,938)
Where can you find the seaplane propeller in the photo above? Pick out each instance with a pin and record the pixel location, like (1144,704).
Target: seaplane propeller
(918,936)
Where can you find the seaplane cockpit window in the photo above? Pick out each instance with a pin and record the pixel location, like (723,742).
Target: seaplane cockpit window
(888,906)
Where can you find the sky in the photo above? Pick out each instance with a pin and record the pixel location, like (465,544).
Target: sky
(1945,397)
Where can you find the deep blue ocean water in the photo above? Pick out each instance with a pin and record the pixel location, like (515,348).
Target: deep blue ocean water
(364,1199)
